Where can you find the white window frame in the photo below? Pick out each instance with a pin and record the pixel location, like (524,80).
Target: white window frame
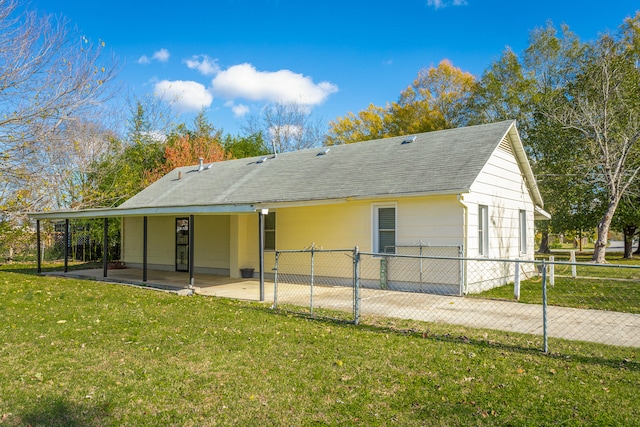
(522,231)
(375,235)
(483,230)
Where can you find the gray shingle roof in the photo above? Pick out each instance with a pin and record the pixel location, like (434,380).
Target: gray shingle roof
(435,163)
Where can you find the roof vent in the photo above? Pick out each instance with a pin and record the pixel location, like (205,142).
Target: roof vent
(201,168)
(323,152)
(410,139)
(262,160)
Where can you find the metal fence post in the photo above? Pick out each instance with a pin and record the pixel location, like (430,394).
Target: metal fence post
(516,281)
(38,249)
(572,258)
(462,271)
(421,262)
(356,285)
(311,293)
(552,271)
(275,282)
(544,308)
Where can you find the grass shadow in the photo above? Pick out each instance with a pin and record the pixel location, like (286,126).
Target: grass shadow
(57,411)
(32,268)
(582,352)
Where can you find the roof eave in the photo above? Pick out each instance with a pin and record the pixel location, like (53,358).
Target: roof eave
(145,211)
(521,156)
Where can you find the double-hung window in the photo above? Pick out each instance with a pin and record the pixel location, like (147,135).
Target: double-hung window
(483,230)
(384,239)
(523,231)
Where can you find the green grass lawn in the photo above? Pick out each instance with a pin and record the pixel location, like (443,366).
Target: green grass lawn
(85,353)
(599,287)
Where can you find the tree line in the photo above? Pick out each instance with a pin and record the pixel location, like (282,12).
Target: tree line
(61,143)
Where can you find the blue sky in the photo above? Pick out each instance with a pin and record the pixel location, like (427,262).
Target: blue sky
(233,56)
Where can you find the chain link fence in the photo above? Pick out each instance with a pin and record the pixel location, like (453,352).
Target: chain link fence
(543,299)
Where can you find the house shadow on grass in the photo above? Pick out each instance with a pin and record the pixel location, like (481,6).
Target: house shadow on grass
(583,352)
(57,411)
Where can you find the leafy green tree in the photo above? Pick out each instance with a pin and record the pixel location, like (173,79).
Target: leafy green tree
(627,221)
(122,171)
(240,147)
(603,105)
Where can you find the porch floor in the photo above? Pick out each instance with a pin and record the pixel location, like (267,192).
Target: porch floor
(204,284)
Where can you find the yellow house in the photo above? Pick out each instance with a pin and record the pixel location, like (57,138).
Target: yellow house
(470,187)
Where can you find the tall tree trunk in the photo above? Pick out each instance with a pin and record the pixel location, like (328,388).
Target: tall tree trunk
(580,240)
(629,232)
(600,245)
(544,243)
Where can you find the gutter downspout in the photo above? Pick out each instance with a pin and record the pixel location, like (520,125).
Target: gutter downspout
(465,243)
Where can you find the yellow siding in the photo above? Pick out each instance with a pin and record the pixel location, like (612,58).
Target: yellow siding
(231,242)
(161,243)
(430,220)
(132,240)
(337,226)
(160,240)
(211,241)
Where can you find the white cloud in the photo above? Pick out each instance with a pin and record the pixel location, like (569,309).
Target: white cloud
(239,110)
(184,96)
(439,4)
(162,55)
(204,64)
(244,81)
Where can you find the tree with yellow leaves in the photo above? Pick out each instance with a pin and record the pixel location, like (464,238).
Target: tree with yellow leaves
(435,100)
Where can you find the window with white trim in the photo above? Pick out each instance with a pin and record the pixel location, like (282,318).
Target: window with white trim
(483,230)
(523,231)
(384,239)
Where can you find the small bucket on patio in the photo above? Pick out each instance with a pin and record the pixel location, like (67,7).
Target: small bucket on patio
(246,273)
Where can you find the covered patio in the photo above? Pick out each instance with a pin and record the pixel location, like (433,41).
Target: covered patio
(190,277)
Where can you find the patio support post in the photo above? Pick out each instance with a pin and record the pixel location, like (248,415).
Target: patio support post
(261,253)
(105,247)
(39,249)
(191,250)
(144,249)
(66,245)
